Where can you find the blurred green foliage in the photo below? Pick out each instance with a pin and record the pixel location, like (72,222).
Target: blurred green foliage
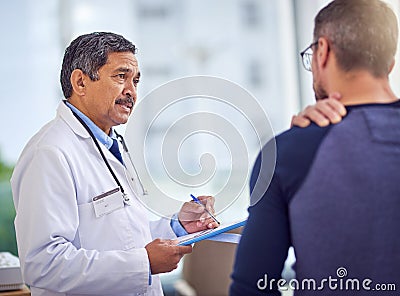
(7,212)
(5,171)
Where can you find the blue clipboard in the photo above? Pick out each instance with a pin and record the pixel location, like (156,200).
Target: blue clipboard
(208,233)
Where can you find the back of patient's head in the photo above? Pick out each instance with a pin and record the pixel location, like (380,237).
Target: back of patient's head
(362,33)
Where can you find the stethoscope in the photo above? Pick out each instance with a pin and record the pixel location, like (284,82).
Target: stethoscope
(126,151)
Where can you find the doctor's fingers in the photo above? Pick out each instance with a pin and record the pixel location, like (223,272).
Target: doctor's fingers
(208,201)
(183,250)
(175,249)
(193,207)
(164,255)
(178,250)
(178,253)
(206,221)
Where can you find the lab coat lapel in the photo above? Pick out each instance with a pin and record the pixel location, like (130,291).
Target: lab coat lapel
(66,114)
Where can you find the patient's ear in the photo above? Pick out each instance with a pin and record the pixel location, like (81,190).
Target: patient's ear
(78,79)
(392,66)
(322,52)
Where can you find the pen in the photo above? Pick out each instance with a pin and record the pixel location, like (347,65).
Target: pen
(196,200)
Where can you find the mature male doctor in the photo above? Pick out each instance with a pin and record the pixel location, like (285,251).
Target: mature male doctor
(80,226)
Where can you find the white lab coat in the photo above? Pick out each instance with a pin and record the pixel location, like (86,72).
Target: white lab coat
(63,248)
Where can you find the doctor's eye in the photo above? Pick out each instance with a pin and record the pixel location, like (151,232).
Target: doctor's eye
(120,76)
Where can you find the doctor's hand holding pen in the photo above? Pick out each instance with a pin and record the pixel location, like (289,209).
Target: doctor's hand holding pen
(196,215)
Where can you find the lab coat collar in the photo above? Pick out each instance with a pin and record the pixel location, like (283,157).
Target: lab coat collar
(66,114)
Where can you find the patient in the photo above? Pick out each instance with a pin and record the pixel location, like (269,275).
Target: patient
(334,193)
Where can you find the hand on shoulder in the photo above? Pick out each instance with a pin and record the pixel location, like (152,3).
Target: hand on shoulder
(323,112)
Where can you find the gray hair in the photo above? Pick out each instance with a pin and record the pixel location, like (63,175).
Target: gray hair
(362,33)
(89,53)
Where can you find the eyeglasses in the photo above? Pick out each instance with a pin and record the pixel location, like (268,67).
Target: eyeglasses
(306,56)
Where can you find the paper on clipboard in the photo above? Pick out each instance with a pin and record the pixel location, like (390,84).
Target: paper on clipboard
(213,233)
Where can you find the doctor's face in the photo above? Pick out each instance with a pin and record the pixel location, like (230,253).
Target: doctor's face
(110,99)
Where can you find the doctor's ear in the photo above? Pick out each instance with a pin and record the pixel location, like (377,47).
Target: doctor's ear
(78,82)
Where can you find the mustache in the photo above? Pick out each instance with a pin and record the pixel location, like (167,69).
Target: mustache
(125,101)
